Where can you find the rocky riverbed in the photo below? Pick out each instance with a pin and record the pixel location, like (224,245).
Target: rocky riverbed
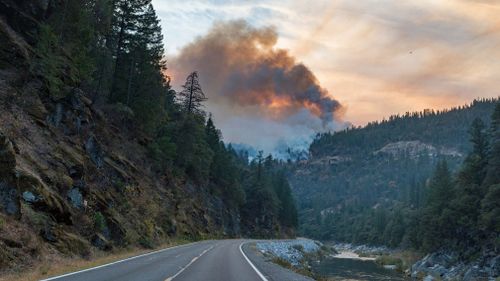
(435,266)
(291,251)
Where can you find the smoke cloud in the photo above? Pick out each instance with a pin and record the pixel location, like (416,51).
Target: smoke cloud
(257,92)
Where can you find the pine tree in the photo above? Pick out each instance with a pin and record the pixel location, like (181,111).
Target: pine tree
(192,95)
(213,134)
(490,204)
(475,164)
(470,192)
(121,42)
(440,187)
(490,211)
(493,170)
(147,86)
(436,218)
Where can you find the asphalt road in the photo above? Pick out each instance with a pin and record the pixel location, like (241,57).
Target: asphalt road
(217,260)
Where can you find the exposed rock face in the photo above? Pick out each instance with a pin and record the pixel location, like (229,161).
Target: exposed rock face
(446,266)
(76,198)
(70,177)
(414,149)
(94,151)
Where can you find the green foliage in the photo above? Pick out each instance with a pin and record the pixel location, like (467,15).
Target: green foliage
(113,49)
(282,262)
(64,47)
(99,222)
(267,199)
(194,155)
(490,206)
(146,242)
(163,151)
(49,64)
(425,200)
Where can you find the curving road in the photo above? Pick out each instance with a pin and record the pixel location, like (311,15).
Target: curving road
(217,260)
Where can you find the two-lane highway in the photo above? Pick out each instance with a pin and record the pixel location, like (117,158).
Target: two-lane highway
(218,260)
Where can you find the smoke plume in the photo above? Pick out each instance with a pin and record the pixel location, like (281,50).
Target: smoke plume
(248,80)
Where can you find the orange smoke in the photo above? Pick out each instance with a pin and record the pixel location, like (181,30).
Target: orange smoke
(239,64)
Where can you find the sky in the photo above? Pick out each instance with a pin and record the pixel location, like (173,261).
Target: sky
(376,58)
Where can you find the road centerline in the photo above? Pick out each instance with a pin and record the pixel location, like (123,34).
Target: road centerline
(117,262)
(189,264)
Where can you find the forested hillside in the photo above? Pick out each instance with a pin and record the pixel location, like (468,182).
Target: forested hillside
(97,151)
(425,180)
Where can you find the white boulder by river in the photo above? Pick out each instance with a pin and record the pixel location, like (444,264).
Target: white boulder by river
(289,250)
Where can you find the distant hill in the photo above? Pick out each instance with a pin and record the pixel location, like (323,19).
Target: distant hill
(354,174)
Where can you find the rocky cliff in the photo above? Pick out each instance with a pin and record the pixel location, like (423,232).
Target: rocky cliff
(76,178)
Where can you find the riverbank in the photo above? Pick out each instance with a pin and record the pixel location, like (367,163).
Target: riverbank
(332,262)
(296,255)
(443,265)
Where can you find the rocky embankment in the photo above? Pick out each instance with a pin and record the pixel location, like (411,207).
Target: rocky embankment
(77,178)
(447,266)
(292,251)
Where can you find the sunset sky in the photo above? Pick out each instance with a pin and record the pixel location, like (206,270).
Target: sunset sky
(376,58)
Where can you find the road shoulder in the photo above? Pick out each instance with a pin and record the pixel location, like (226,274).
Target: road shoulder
(271,271)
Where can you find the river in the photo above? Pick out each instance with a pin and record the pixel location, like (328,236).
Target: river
(355,269)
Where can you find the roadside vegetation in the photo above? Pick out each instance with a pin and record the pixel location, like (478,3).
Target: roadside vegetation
(60,266)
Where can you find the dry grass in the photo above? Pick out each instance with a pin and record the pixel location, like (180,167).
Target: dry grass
(58,265)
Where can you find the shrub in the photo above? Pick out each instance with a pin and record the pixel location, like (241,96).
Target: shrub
(388,260)
(282,262)
(299,248)
(99,221)
(146,242)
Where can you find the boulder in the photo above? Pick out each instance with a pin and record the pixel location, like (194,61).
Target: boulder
(75,198)
(93,149)
(29,197)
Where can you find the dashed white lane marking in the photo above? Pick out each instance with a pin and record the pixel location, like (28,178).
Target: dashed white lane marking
(251,264)
(120,261)
(189,264)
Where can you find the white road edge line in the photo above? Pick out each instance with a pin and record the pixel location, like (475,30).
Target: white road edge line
(251,264)
(189,264)
(120,261)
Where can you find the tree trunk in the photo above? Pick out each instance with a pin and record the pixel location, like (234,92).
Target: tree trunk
(132,64)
